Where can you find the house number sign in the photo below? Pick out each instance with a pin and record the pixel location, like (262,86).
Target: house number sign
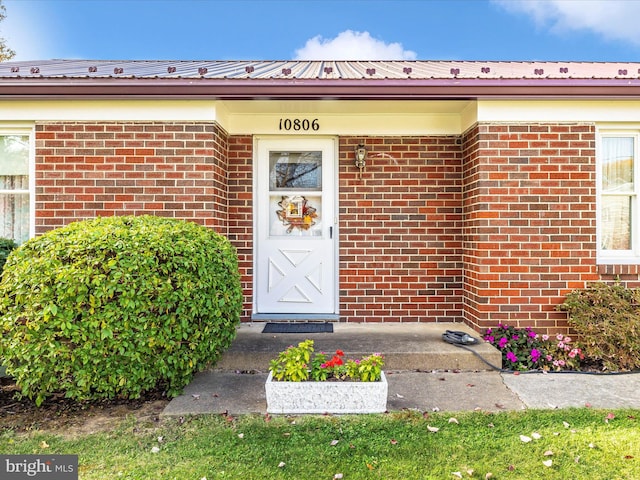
(299,124)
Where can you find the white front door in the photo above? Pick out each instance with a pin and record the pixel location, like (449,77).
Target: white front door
(295,248)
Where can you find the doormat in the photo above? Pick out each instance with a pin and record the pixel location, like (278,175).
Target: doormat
(298,328)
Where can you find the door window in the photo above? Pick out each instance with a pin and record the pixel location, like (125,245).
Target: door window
(295,193)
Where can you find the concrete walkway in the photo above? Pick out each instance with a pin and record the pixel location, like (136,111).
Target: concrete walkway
(423,373)
(242,393)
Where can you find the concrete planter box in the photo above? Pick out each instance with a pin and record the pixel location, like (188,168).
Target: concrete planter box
(326,397)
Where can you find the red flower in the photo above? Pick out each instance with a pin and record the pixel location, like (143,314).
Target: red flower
(340,353)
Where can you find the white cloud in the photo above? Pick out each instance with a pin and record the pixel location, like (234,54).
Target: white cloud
(612,19)
(350,45)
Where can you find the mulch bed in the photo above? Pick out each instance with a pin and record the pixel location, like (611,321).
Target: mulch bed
(58,412)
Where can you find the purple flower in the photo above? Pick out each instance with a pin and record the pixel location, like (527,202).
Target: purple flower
(532,334)
(535,354)
(490,338)
(503,341)
(516,337)
(512,357)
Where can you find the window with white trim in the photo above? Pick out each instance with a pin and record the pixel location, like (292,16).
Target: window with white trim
(14,185)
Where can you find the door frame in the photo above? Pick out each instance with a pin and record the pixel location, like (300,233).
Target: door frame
(287,140)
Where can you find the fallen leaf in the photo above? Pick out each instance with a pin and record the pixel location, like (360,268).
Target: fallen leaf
(516,373)
(536,435)
(394,441)
(454,420)
(591,445)
(215,395)
(547,463)
(425,415)
(566,425)
(548,453)
(511,468)
(456,474)
(44,444)
(588,405)
(286,434)
(610,416)
(499,405)
(525,439)
(432,429)
(267,417)
(195,396)
(435,409)
(470,472)
(281,465)
(577,459)
(399,396)
(628,457)
(470,385)
(488,476)
(334,442)
(160,439)
(337,476)
(491,425)
(155,450)
(241,435)
(369,466)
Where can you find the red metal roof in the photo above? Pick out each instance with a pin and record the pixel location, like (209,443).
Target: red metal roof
(318,79)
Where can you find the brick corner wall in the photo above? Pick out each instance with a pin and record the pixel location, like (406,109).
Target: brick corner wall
(529,234)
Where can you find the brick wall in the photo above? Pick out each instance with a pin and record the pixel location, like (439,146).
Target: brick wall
(495,227)
(241,217)
(400,230)
(529,209)
(85,170)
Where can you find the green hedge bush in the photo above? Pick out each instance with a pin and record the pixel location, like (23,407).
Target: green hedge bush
(114,307)
(606,318)
(6,247)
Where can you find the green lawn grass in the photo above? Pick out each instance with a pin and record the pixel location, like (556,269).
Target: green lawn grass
(580,443)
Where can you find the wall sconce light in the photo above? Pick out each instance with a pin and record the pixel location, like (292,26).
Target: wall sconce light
(361,155)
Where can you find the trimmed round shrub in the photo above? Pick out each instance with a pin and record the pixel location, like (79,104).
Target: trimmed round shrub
(6,247)
(115,307)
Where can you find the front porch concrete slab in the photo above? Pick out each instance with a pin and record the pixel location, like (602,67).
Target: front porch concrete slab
(406,346)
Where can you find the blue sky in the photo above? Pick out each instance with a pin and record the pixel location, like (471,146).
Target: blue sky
(577,30)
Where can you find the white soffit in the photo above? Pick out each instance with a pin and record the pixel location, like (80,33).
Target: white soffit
(337,117)
(518,111)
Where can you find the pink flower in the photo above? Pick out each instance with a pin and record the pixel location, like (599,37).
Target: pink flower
(512,357)
(567,339)
(560,345)
(559,337)
(545,337)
